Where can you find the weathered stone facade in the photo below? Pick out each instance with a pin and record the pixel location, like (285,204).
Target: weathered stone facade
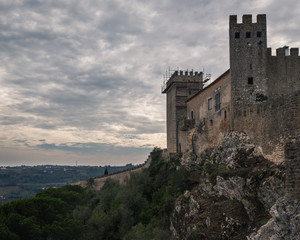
(259,95)
(292,164)
(264,88)
(211,116)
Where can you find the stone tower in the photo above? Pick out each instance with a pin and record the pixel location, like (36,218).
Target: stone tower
(248,61)
(179,87)
(265,89)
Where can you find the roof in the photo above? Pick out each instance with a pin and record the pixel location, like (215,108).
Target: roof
(210,85)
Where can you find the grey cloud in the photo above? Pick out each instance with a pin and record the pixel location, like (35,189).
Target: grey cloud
(11,120)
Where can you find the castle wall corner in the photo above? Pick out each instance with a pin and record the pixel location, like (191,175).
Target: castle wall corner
(292,164)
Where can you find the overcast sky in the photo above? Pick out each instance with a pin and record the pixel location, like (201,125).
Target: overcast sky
(80,80)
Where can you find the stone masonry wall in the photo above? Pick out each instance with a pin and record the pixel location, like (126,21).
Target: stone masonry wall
(171,120)
(178,88)
(210,124)
(270,123)
(292,163)
(283,71)
(118,176)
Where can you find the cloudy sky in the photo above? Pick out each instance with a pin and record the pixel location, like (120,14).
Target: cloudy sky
(80,80)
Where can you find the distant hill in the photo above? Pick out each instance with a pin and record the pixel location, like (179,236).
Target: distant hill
(25,181)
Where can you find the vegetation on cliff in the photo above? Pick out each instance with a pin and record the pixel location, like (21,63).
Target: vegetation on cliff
(139,209)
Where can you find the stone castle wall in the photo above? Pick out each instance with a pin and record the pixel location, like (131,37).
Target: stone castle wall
(270,123)
(98,182)
(211,123)
(273,115)
(292,163)
(283,71)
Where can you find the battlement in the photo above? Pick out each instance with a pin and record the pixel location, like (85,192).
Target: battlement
(186,73)
(284,52)
(181,76)
(247,19)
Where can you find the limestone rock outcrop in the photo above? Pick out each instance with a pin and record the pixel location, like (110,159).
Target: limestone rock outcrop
(234,194)
(284,224)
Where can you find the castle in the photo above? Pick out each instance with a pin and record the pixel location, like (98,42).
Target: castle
(259,95)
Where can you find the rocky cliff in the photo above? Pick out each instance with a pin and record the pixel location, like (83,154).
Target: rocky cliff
(237,194)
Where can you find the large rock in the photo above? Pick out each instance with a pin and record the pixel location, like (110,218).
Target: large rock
(186,208)
(284,224)
(235,179)
(233,188)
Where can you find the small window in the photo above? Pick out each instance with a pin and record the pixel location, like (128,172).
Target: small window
(248,34)
(192,115)
(258,34)
(211,122)
(237,35)
(209,104)
(225,114)
(217,101)
(250,80)
(250,66)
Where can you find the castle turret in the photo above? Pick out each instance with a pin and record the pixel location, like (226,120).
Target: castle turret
(178,88)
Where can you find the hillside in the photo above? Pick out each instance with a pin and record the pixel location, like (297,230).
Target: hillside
(25,181)
(229,192)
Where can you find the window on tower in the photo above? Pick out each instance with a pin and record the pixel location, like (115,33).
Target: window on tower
(250,80)
(237,35)
(258,34)
(248,34)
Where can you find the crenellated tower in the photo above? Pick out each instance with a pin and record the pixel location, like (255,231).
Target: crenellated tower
(265,96)
(179,87)
(248,61)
